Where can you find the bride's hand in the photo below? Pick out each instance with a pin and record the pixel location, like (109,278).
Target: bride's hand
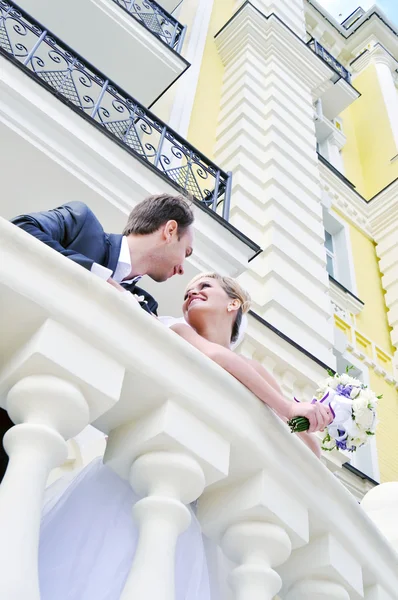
(319,415)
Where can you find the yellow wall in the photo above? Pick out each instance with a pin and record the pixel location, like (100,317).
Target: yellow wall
(204,118)
(370,143)
(386,436)
(367,160)
(372,321)
(373,325)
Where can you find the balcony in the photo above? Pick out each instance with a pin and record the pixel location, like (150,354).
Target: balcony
(137,43)
(157,20)
(265,502)
(327,57)
(78,136)
(341,94)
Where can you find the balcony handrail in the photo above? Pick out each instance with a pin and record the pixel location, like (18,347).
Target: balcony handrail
(92,95)
(157,20)
(260,440)
(330,59)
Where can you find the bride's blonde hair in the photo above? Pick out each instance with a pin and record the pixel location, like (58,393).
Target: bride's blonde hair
(234,291)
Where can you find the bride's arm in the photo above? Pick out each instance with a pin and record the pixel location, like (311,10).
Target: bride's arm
(258,385)
(308,438)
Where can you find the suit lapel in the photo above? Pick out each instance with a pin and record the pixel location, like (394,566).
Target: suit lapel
(114,243)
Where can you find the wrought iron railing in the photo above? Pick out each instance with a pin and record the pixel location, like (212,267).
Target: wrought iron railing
(122,118)
(157,20)
(327,57)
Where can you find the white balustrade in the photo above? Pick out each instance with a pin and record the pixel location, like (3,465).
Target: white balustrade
(325,559)
(256,524)
(377,592)
(48,410)
(314,589)
(257,547)
(172,456)
(168,480)
(380,504)
(76,352)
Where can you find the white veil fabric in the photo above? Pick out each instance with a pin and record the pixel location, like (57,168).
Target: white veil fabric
(88,541)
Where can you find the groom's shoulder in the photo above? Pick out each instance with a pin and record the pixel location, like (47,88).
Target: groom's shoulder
(81,212)
(78,208)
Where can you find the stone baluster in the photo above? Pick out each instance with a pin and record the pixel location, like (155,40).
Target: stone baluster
(258,547)
(256,524)
(168,456)
(380,504)
(52,386)
(287,382)
(324,569)
(314,589)
(168,481)
(48,410)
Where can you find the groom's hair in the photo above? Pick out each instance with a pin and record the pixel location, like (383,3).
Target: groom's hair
(155,211)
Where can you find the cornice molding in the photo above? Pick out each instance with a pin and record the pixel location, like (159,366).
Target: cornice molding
(346,200)
(345,299)
(377,55)
(383,210)
(372,26)
(269,36)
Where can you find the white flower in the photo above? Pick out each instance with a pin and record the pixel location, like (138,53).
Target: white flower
(331,382)
(369,397)
(355,392)
(357,441)
(346,379)
(328,443)
(364,421)
(364,416)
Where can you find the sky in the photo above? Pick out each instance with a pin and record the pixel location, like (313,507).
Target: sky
(340,9)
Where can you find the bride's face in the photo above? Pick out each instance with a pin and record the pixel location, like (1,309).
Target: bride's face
(203,299)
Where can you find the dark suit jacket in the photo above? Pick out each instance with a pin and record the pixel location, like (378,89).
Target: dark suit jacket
(74,231)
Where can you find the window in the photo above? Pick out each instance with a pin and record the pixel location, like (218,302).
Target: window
(339,262)
(330,257)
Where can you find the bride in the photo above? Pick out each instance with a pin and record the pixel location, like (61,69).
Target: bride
(88,539)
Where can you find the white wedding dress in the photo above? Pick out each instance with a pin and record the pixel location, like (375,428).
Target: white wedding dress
(88,541)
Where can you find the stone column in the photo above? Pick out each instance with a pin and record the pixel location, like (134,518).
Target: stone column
(386,65)
(290,12)
(266,136)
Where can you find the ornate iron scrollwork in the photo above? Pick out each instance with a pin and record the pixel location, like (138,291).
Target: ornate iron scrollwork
(124,119)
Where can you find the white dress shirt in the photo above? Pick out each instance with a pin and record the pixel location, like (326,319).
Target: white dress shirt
(123,267)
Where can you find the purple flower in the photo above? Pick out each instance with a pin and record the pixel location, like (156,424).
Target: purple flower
(344,390)
(341,444)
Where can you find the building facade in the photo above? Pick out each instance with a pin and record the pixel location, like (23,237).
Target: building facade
(283,125)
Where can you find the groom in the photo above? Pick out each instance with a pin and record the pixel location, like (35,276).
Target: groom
(156,240)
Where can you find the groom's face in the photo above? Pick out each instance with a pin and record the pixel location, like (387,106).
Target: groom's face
(171,253)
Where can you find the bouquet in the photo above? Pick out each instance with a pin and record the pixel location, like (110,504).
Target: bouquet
(354,409)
